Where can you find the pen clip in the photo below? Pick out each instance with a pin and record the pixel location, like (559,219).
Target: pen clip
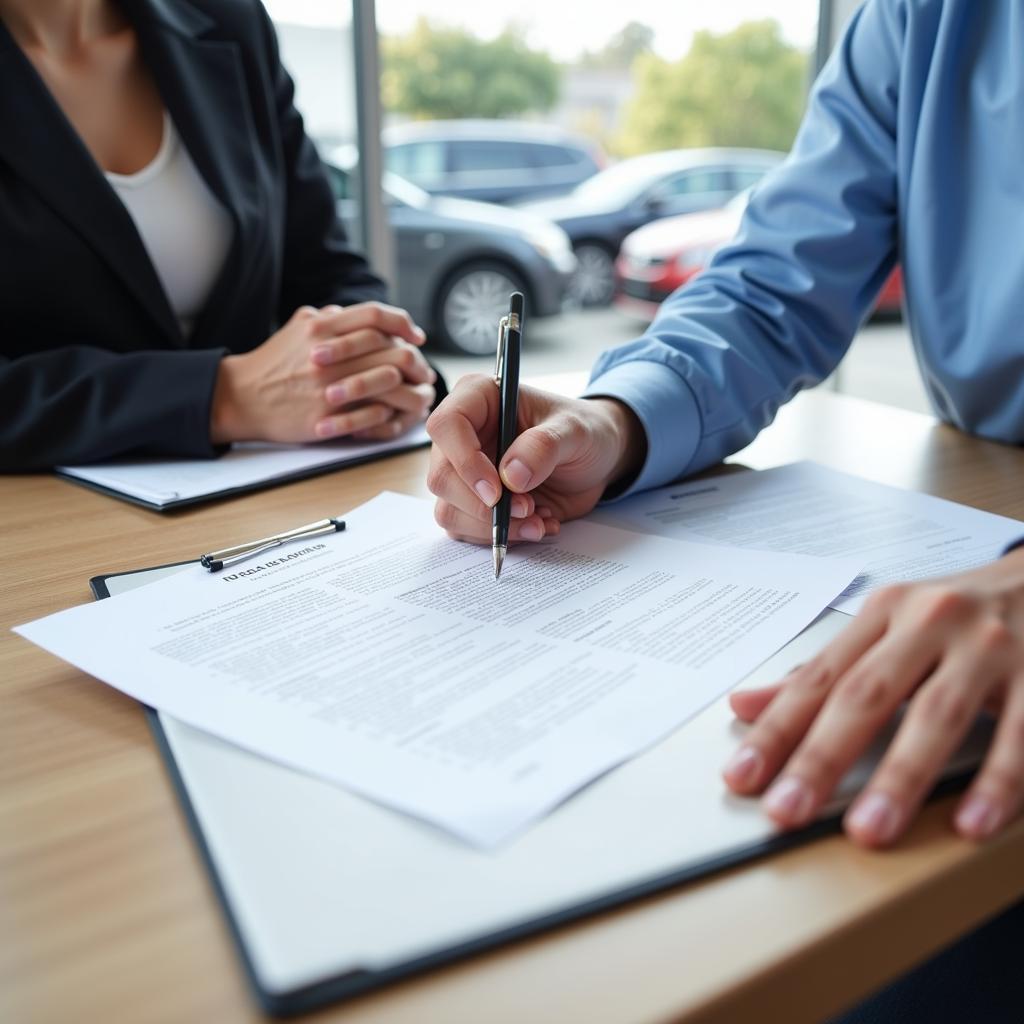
(499,361)
(509,322)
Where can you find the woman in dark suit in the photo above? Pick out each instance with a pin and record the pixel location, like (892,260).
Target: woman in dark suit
(173,276)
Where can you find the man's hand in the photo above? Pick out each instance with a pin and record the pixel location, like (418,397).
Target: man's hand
(567,452)
(326,373)
(952,648)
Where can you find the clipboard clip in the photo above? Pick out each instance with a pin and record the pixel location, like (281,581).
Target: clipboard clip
(215,561)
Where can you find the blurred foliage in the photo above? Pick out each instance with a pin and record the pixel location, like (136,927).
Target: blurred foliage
(746,87)
(437,72)
(621,49)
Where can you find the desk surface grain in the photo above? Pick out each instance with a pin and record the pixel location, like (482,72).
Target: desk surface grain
(105,911)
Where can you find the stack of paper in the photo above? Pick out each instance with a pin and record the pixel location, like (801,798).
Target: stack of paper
(804,508)
(386,658)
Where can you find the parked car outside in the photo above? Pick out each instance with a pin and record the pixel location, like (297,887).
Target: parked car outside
(600,213)
(458,261)
(492,161)
(657,259)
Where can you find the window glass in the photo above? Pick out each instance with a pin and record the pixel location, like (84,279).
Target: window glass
(320,58)
(542,155)
(744,177)
(415,160)
(341,183)
(693,183)
(487,155)
(318,50)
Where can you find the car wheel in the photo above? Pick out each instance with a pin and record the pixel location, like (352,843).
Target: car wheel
(593,283)
(472,301)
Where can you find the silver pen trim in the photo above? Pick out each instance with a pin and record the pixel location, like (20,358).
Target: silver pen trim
(498,552)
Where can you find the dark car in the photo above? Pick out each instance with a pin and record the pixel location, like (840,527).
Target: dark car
(458,261)
(600,213)
(492,161)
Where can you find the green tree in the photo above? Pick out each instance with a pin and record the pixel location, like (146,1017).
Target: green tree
(447,72)
(742,88)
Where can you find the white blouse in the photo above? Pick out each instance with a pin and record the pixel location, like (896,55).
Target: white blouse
(185,229)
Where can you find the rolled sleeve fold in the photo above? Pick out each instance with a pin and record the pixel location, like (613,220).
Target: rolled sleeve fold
(667,410)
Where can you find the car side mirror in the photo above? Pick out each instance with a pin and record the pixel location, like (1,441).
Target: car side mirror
(654,203)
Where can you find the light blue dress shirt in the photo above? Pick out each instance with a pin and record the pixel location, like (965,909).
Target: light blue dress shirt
(912,149)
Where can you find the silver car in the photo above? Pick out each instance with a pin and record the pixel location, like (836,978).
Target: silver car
(459,260)
(496,161)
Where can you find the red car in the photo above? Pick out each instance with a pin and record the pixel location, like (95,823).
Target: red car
(657,258)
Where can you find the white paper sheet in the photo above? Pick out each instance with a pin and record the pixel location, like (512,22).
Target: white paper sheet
(162,481)
(805,508)
(387,658)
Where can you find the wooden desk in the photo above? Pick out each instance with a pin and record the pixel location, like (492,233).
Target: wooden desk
(105,912)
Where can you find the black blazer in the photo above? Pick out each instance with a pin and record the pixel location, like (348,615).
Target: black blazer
(92,361)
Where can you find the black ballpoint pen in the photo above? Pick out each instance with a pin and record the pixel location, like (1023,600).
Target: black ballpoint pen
(506,373)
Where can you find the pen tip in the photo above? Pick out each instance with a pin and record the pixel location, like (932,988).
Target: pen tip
(499,557)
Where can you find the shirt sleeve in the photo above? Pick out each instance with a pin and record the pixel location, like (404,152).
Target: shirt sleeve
(776,310)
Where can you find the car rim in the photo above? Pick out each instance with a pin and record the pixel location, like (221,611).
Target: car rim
(473,307)
(594,281)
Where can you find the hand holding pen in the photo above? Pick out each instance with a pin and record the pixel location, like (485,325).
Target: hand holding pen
(569,451)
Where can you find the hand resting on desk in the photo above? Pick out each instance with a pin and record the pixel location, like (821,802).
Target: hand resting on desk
(326,373)
(951,647)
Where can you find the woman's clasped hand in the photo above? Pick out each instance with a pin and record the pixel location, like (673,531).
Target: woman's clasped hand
(355,371)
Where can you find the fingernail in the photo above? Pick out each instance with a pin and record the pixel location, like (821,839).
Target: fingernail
(337,393)
(532,531)
(325,428)
(978,818)
(486,492)
(875,817)
(517,475)
(790,801)
(745,767)
(321,354)
(520,508)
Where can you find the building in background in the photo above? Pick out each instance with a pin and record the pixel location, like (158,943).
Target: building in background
(593,101)
(319,58)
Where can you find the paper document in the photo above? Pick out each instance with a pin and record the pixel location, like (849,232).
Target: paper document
(388,659)
(166,481)
(809,509)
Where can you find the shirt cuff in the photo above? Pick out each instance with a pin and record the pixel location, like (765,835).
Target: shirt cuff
(668,412)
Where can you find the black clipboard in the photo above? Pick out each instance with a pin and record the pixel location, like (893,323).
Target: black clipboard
(343,462)
(343,986)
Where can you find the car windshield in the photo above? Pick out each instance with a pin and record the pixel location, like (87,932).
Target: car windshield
(621,183)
